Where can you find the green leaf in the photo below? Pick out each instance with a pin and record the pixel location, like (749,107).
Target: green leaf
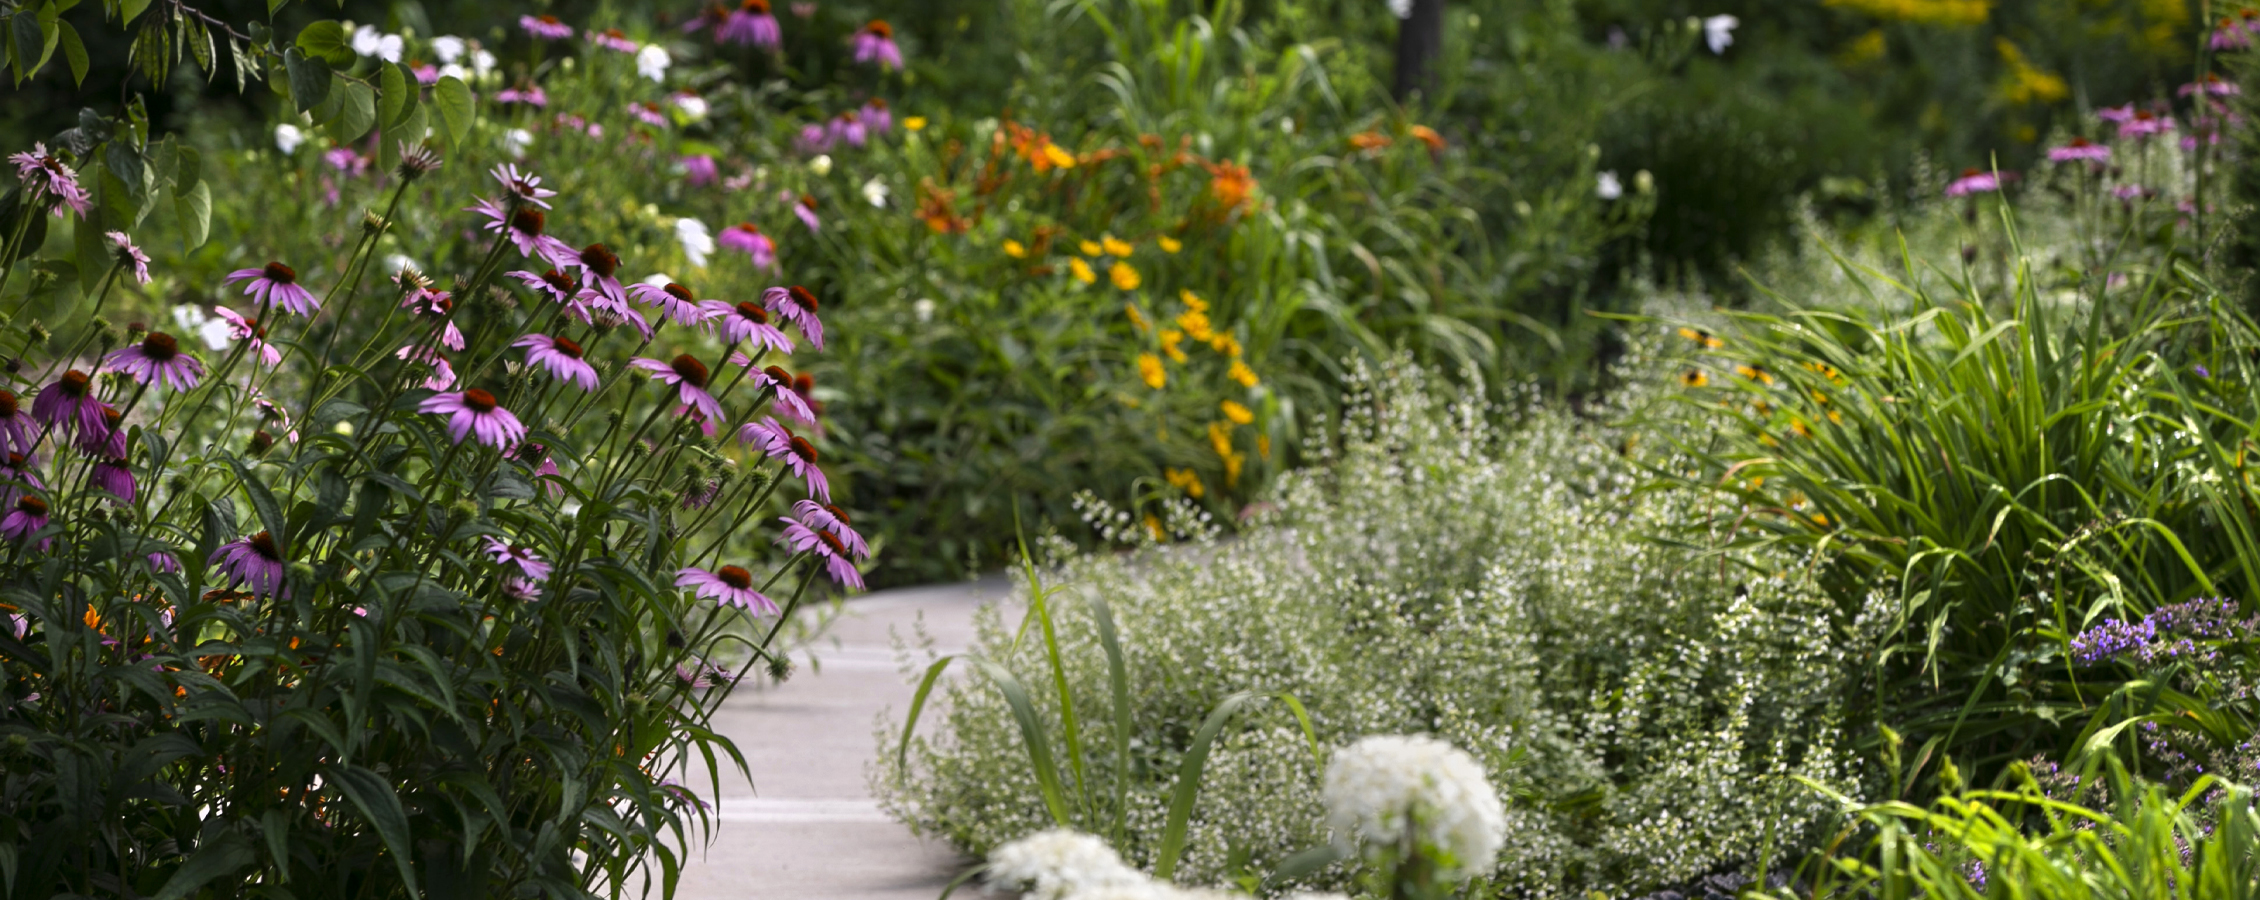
(130,10)
(1189,783)
(356,115)
(194,207)
(273,5)
(263,503)
(74,51)
(188,166)
(410,128)
(377,800)
(309,79)
(223,854)
(1032,734)
(275,824)
(453,98)
(1301,864)
(326,40)
(918,705)
(392,92)
(26,43)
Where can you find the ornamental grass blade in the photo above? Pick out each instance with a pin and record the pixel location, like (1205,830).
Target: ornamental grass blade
(1118,682)
(1189,783)
(1032,734)
(918,705)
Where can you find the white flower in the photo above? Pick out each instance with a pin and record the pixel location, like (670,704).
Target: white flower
(212,330)
(368,41)
(288,137)
(1608,186)
(693,106)
(923,309)
(1058,863)
(698,243)
(1378,787)
(821,165)
(875,192)
(515,141)
(1402,9)
(1718,32)
(482,62)
(454,71)
(652,62)
(448,48)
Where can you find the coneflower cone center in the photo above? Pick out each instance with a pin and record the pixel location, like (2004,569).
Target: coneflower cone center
(803,296)
(32,506)
(529,221)
(76,383)
(679,292)
(690,370)
(479,401)
(599,259)
(752,310)
(783,378)
(735,577)
(567,347)
(8,404)
(832,541)
(160,346)
(755,6)
(264,542)
(802,448)
(558,282)
(279,273)
(838,513)
(880,28)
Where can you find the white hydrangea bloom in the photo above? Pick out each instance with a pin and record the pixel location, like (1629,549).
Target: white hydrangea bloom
(652,62)
(1059,864)
(697,241)
(1379,785)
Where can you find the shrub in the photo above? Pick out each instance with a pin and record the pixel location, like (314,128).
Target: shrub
(1637,704)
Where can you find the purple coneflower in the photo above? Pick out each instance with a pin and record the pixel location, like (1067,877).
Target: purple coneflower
(648,112)
(2144,123)
(157,360)
(544,468)
(825,546)
(699,170)
(442,374)
(561,357)
(2230,36)
(877,117)
(25,520)
(790,404)
(431,304)
(2117,114)
(15,424)
(751,25)
(69,403)
(745,321)
(508,555)
(274,413)
(729,586)
(546,27)
(17,472)
(747,237)
(2211,85)
(107,440)
(277,283)
(673,301)
(612,312)
(2080,150)
(1975,181)
(524,229)
(814,138)
(252,562)
(598,265)
(797,305)
(2130,192)
(705,675)
(528,94)
(526,186)
(848,127)
(114,476)
(162,562)
(806,210)
(826,517)
(345,161)
(779,442)
(40,170)
(553,286)
(611,39)
(130,255)
(875,43)
(689,376)
(475,411)
(242,329)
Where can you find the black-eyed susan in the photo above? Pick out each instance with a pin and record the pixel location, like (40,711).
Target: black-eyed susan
(1703,339)
(1694,378)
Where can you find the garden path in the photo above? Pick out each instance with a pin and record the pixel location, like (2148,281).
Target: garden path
(807,827)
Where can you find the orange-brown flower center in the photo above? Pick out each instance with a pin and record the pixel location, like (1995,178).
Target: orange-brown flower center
(678,291)
(567,347)
(838,513)
(8,404)
(160,346)
(832,541)
(264,542)
(802,448)
(735,577)
(529,221)
(690,369)
(599,259)
(802,296)
(479,401)
(75,383)
(881,28)
(756,6)
(32,506)
(279,273)
(752,310)
(560,282)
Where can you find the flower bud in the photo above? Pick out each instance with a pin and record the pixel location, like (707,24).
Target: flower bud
(106,332)
(261,442)
(301,571)
(179,483)
(370,223)
(463,506)
(780,668)
(39,333)
(136,329)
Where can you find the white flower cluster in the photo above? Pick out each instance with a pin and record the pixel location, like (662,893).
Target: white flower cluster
(1067,865)
(1385,789)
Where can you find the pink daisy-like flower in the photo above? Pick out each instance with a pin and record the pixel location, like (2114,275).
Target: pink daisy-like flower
(746,237)
(611,39)
(705,674)
(108,440)
(611,312)
(130,255)
(40,170)
(162,562)
(689,377)
(277,284)
(15,424)
(114,476)
(799,456)
(426,73)
(525,186)
(1975,181)
(797,305)
(825,546)
(699,170)
(442,375)
(848,127)
(524,230)
(877,117)
(814,139)
(17,473)
(598,267)
(25,520)
(544,468)
(648,113)
(242,329)
(157,360)
(2116,114)
(790,404)
(729,586)
(2080,150)
(2130,192)
(346,161)
(805,208)
(545,27)
(561,357)
(2145,123)
(2212,85)
(745,321)
(673,301)
(430,304)
(476,412)
(69,404)
(826,517)
(752,25)
(2230,36)
(875,43)
(252,562)
(553,286)
(528,94)
(274,414)
(525,560)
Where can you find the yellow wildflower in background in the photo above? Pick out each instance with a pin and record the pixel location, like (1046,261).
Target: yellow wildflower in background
(1240,415)
(1864,49)
(1137,319)
(1196,325)
(1186,480)
(1169,339)
(1232,464)
(1153,527)
(1116,246)
(1082,271)
(1242,374)
(1220,438)
(1015,249)
(914,123)
(1089,248)
(1193,302)
(1694,378)
(2026,83)
(1701,338)
(1263,445)
(1149,369)
(1058,157)
(1170,244)
(1925,12)
(1225,344)
(1123,276)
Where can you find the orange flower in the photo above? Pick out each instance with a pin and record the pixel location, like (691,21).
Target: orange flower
(1230,184)
(1369,141)
(1429,136)
(936,207)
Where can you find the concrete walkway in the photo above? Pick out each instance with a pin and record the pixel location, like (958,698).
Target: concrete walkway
(807,828)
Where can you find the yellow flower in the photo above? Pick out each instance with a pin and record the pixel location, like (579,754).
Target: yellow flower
(1240,415)
(1220,438)
(1820,519)
(1117,246)
(1149,368)
(1186,480)
(1170,244)
(1196,325)
(1123,276)
(1232,464)
(1169,339)
(914,123)
(1058,157)
(1701,338)
(1263,445)
(1836,417)
(1192,302)
(1153,527)
(1242,374)
(1082,271)
(1137,319)
(1089,248)
(1694,378)
(1225,344)
(1015,249)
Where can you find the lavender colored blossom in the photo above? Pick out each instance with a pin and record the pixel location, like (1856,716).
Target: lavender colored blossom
(252,562)
(2080,150)
(25,520)
(545,27)
(729,586)
(747,238)
(158,360)
(561,358)
(689,377)
(796,305)
(277,284)
(476,412)
(745,321)
(69,404)
(40,170)
(799,456)
(524,229)
(526,561)
(875,43)
(827,548)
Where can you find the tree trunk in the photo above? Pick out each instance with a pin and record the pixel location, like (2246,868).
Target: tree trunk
(1420,40)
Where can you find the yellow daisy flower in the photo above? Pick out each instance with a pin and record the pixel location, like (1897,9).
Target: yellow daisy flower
(1117,246)
(1240,415)
(1170,244)
(1242,374)
(1123,276)
(1149,369)
(914,123)
(1082,271)
(1015,249)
